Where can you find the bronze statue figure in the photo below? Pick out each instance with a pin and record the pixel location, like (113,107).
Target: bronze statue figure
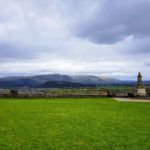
(141,91)
(139,81)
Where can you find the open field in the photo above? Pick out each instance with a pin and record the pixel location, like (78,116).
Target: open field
(74,124)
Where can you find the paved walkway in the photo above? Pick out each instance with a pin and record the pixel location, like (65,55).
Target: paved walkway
(132,100)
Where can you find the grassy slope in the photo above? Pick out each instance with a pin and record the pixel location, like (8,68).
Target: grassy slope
(85,124)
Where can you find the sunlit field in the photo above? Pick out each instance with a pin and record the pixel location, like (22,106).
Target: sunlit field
(74,124)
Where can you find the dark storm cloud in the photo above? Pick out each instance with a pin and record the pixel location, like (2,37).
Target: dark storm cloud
(112,21)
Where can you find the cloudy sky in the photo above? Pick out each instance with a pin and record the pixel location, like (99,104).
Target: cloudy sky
(97,37)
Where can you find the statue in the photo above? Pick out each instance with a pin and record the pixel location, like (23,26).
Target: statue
(141,91)
(140,82)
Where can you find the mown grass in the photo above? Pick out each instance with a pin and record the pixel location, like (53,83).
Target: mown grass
(74,124)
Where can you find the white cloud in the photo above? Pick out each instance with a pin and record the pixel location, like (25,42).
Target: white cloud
(74,37)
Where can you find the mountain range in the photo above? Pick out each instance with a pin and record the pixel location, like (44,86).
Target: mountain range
(60,81)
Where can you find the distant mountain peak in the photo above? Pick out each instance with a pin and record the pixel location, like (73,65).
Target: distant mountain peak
(56,80)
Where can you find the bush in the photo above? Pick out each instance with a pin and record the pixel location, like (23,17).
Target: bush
(14,93)
(131,95)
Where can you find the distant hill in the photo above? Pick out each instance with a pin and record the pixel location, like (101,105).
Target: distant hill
(86,79)
(60,81)
(64,84)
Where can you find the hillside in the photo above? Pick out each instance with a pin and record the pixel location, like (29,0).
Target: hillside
(60,81)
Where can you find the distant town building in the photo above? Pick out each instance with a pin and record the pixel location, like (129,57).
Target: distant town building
(141,91)
(4,92)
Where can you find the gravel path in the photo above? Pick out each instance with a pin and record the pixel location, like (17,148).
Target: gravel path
(132,100)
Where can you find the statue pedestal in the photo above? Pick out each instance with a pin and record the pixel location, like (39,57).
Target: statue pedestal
(141,91)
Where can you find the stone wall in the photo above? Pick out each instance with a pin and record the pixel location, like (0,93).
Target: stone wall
(85,93)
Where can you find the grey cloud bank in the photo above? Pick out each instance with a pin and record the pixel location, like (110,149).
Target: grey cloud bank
(115,20)
(100,37)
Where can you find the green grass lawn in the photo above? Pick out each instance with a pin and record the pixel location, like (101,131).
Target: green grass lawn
(74,124)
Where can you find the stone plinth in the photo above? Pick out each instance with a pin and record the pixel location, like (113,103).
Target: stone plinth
(141,91)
